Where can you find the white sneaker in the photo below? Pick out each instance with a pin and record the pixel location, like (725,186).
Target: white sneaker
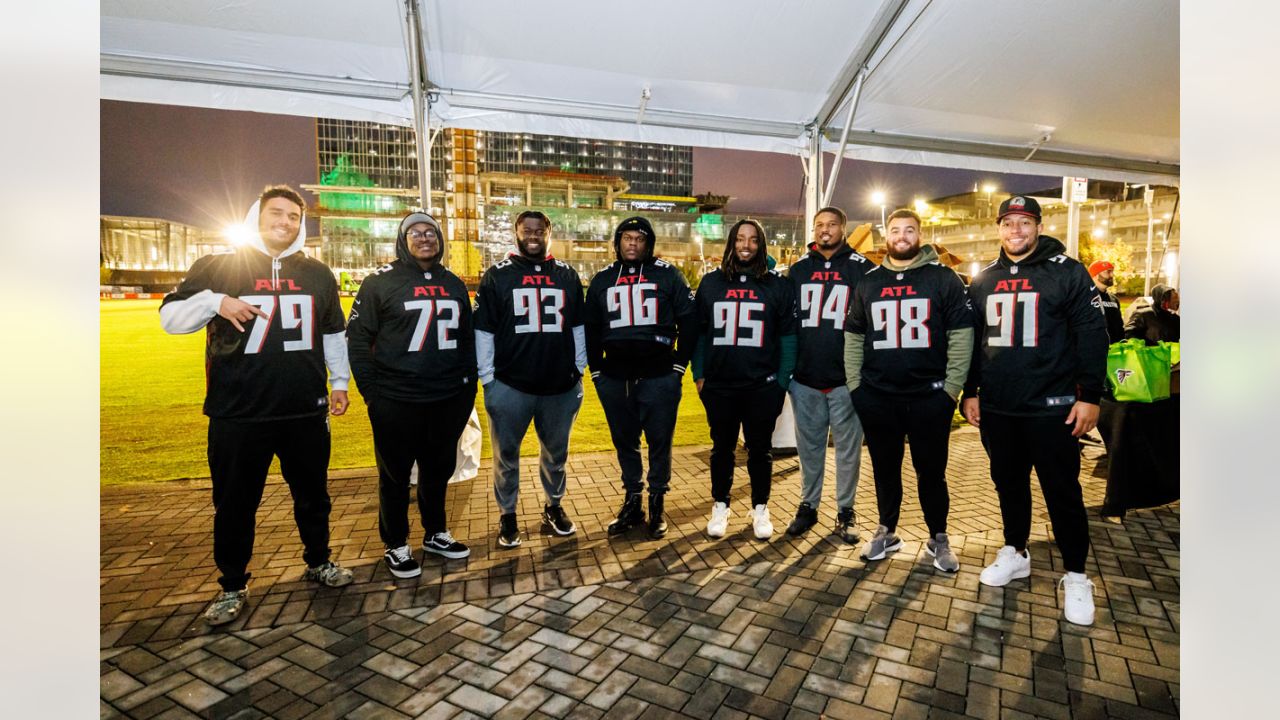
(760,522)
(1078,605)
(1009,565)
(719,521)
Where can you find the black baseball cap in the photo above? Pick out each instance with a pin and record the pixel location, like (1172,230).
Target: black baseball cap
(1019,205)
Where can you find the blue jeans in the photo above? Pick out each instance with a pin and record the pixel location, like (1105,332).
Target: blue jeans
(817,414)
(510,412)
(632,406)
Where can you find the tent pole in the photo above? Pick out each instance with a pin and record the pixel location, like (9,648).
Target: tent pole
(421,109)
(844,139)
(812,181)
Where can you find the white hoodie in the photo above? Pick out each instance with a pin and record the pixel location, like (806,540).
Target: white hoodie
(187,316)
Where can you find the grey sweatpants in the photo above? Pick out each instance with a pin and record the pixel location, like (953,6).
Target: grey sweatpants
(818,413)
(510,412)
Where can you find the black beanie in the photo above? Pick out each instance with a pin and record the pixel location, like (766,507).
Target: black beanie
(635,223)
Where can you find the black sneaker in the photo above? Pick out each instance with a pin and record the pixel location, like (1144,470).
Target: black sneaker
(657,526)
(845,529)
(508,530)
(401,563)
(631,515)
(443,544)
(806,517)
(553,517)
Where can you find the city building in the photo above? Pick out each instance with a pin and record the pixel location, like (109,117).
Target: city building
(1114,219)
(369,179)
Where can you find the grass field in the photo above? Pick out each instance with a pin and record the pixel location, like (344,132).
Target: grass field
(152,388)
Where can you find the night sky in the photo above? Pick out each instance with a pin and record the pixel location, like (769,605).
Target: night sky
(203,167)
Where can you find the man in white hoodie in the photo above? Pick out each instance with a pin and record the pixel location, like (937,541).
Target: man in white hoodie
(274,327)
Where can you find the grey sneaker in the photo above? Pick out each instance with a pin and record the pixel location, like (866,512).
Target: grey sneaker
(329,574)
(881,544)
(943,559)
(226,607)
(845,529)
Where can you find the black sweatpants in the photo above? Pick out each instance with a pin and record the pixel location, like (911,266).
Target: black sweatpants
(755,412)
(647,405)
(1015,445)
(426,433)
(888,420)
(240,454)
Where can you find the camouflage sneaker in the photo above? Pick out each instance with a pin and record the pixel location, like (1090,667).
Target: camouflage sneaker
(845,529)
(328,574)
(226,607)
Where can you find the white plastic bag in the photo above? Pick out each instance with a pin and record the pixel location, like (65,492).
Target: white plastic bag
(468,458)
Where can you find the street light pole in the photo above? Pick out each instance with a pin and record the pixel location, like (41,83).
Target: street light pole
(878,198)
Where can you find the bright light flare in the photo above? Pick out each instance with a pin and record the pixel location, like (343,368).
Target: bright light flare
(878,197)
(238,234)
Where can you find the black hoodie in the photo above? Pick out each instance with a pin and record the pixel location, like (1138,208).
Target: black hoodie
(410,336)
(635,313)
(1155,323)
(1040,341)
(823,290)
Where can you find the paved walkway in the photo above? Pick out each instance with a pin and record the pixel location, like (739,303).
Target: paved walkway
(589,626)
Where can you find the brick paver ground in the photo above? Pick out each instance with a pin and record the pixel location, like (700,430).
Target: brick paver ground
(589,626)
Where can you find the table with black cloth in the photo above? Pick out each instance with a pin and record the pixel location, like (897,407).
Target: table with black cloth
(1142,448)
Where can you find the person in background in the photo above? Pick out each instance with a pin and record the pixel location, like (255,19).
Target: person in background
(1159,322)
(1104,276)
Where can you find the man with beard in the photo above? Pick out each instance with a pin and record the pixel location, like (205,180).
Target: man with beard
(412,349)
(1104,276)
(742,365)
(824,281)
(274,327)
(640,333)
(1033,390)
(908,345)
(530,351)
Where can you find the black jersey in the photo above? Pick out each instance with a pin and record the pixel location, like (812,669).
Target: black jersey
(275,369)
(823,290)
(635,314)
(1111,314)
(1041,341)
(741,321)
(904,317)
(410,336)
(531,308)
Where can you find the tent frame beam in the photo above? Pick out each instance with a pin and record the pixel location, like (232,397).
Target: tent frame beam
(849,76)
(610,112)
(137,66)
(1005,152)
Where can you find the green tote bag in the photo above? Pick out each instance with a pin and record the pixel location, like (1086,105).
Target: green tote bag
(1137,372)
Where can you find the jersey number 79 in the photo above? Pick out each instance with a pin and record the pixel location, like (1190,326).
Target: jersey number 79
(295,312)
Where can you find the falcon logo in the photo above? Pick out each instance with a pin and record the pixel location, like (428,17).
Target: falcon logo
(1121,375)
(1096,302)
(1017,202)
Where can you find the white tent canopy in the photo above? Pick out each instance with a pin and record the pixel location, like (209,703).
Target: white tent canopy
(1072,87)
